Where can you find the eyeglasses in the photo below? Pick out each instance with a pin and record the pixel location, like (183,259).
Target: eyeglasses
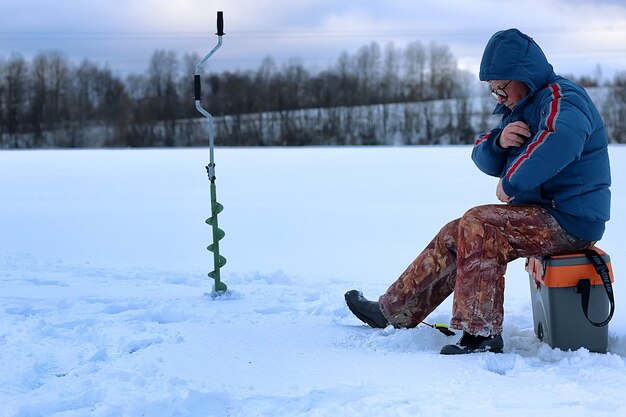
(499,92)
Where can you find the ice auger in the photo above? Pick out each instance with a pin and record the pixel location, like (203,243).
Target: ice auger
(218,260)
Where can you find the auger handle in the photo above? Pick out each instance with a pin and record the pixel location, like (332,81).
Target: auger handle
(197,83)
(220,24)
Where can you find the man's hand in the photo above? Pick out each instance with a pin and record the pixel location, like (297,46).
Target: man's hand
(501,195)
(514,134)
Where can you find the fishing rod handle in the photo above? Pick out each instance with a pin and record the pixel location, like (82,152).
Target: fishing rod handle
(220,24)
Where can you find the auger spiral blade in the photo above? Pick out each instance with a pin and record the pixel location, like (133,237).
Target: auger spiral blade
(218,234)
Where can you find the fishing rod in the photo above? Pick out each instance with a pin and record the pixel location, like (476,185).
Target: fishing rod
(218,234)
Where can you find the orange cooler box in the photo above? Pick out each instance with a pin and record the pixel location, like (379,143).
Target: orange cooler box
(558,314)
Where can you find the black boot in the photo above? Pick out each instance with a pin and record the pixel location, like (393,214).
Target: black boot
(472,344)
(365,310)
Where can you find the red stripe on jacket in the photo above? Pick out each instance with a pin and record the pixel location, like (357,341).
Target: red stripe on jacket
(555,107)
(481,139)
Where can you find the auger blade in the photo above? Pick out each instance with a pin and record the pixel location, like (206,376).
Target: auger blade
(218,234)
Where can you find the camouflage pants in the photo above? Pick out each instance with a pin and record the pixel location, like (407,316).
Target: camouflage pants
(469,257)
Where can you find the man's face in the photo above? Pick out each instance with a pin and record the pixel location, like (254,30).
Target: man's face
(508,92)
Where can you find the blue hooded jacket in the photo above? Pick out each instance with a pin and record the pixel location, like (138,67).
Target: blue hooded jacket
(564,166)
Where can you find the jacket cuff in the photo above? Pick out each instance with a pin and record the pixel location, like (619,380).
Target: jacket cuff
(495,145)
(510,190)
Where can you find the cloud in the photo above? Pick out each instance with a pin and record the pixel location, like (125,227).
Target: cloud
(576,35)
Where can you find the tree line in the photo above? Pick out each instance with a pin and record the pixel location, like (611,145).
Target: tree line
(391,95)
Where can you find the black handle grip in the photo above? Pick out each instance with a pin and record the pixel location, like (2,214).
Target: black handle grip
(197,87)
(220,24)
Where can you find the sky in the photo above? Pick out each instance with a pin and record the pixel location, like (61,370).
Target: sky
(579,37)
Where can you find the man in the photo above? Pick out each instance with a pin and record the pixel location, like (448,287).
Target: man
(550,151)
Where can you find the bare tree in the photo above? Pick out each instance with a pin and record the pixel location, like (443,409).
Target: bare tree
(614,110)
(390,85)
(15,88)
(38,103)
(2,103)
(368,72)
(83,101)
(415,71)
(162,76)
(443,69)
(59,84)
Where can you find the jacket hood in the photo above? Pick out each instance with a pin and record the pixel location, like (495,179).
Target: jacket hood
(512,55)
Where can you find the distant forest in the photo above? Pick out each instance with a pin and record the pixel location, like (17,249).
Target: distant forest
(390,95)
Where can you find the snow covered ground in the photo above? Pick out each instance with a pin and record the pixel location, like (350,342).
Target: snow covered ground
(104,305)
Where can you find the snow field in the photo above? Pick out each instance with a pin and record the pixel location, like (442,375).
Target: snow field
(105,307)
